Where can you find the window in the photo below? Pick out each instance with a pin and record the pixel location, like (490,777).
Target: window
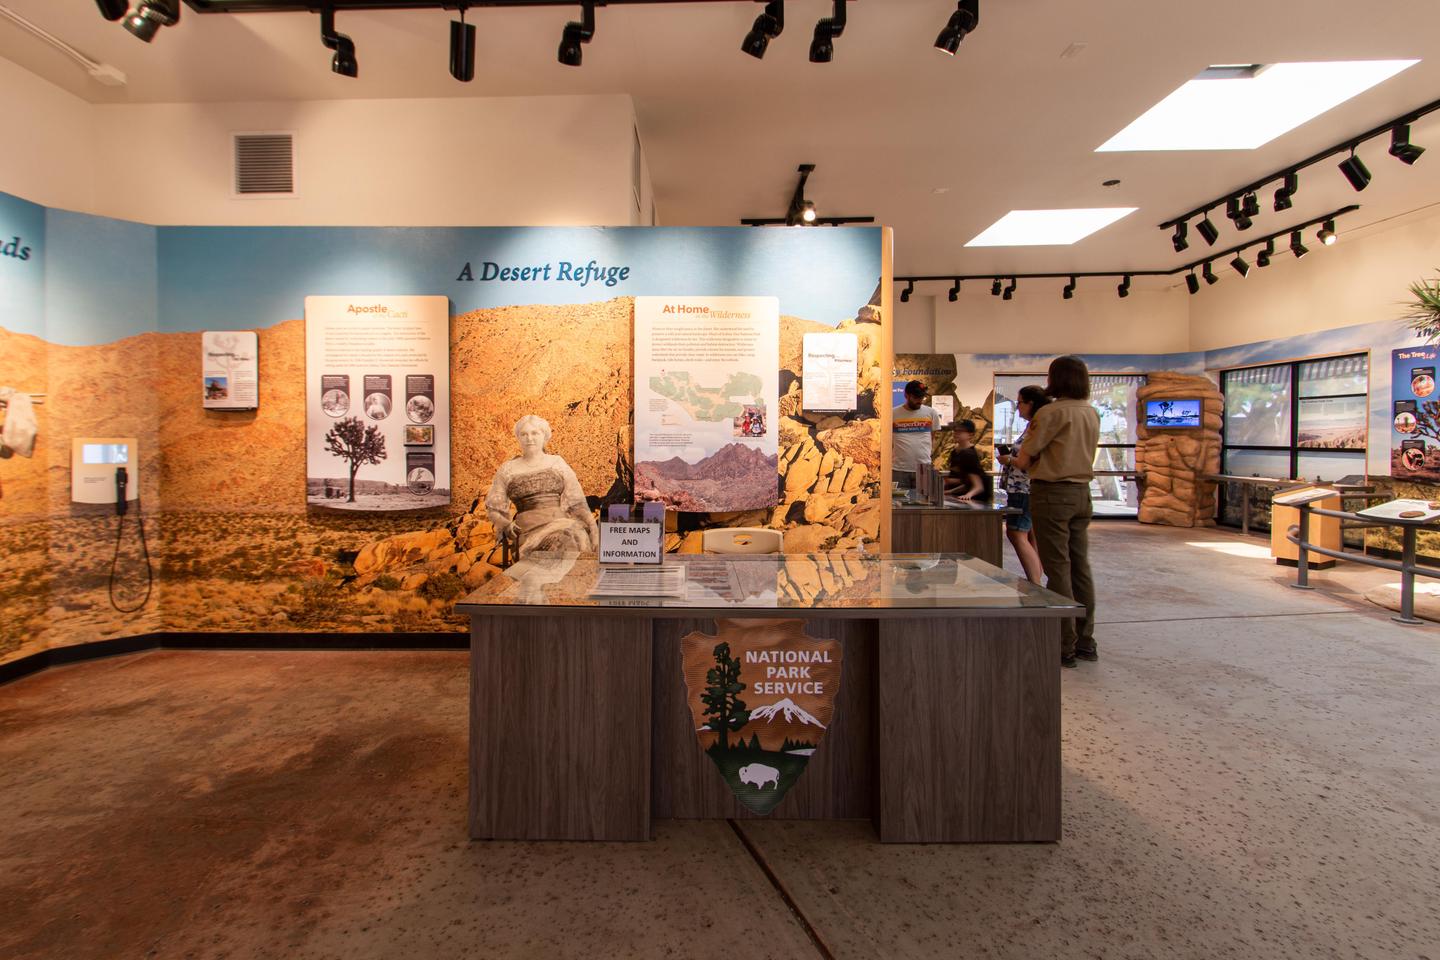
(1114,397)
(1293,421)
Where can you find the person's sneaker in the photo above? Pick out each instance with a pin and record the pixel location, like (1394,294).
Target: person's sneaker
(1091,655)
(1067,661)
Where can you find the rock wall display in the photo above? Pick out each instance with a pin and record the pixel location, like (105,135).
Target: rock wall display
(1174,461)
(938,372)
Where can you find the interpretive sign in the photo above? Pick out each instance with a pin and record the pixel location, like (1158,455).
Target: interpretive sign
(762,695)
(1415,423)
(377,380)
(707,391)
(632,542)
(230,369)
(829,372)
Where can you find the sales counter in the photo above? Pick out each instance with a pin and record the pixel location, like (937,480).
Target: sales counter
(945,726)
(957,526)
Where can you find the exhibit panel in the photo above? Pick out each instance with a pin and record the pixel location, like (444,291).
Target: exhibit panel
(539,321)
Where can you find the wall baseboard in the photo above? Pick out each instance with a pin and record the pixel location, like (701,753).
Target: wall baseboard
(120,646)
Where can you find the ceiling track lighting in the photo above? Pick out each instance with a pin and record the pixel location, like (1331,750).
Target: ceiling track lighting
(822,45)
(1355,171)
(113,9)
(462,48)
(1180,243)
(905,294)
(1400,146)
(801,212)
(964,20)
(1202,268)
(576,35)
(343,61)
(1296,246)
(1207,230)
(1326,234)
(148,17)
(768,25)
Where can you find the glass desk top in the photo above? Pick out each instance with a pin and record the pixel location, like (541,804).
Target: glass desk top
(815,585)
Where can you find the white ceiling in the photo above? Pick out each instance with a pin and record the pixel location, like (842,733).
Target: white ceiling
(1008,123)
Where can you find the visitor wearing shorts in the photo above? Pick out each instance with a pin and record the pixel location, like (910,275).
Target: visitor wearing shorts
(1019,528)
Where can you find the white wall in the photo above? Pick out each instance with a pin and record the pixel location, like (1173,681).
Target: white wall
(1364,277)
(49,152)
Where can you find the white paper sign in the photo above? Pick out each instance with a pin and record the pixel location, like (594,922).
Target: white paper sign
(944,408)
(377,402)
(632,542)
(230,369)
(829,372)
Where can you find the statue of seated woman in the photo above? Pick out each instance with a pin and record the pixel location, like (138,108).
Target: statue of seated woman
(551,514)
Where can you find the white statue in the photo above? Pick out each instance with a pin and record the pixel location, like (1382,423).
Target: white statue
(550,510)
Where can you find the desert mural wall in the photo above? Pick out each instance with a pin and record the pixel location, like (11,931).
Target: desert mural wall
(104,318)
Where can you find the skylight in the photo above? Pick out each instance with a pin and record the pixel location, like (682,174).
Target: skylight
(1241,108)
(1035,228)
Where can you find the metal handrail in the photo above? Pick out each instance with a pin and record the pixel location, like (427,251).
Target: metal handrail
(1299,534)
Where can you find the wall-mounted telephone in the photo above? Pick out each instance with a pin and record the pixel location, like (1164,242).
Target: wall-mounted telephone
(104,470)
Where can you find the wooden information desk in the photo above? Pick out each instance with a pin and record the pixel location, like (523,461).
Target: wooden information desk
(946,726)
(957,527)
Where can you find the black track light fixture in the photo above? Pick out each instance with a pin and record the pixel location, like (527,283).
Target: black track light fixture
(149,16)
(768,25)
(1192,283)
(905,294)
(1241,267)
(822,46)
(965,19)
(1179,241)
(1262,259)
(1069,292)
(1123,288)
(343,62)
(113,9)
(1285,193)
(462,48)
(1208,273)
(1355,171)
(1232,209)
(1207,230)
(1010,290)
(995,287)
(1250,205)
(1296,246)
(1400,146)
(1326,234)
(955,292)
(576,35)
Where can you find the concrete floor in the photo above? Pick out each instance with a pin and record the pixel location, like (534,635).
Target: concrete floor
(1250,771)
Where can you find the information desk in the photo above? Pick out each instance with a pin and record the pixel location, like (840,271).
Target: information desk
(959,526)
(946,725)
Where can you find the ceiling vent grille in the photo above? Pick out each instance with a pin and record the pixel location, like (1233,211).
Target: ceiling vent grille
(264,163)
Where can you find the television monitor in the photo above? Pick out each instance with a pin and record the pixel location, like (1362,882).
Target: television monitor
(1170,414)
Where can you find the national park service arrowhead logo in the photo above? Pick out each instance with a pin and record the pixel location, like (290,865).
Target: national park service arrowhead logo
(762,694)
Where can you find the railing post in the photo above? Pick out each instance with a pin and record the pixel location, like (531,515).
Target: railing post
(1407,577)
(1302,555)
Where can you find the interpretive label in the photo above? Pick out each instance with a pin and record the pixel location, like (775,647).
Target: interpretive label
(829,374)
(230,369)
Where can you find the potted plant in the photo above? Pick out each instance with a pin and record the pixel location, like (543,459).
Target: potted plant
(1423,312)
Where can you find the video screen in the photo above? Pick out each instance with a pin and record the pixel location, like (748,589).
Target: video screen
(106,453)
(1172,414)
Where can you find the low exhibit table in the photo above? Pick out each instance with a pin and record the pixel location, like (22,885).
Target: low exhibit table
(946,725)
(957,526)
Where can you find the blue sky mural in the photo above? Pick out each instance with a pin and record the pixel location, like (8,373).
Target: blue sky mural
(22,265)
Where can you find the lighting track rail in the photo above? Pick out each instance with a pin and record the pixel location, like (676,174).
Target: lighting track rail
(1327,235)
(1241,204)
(802,212)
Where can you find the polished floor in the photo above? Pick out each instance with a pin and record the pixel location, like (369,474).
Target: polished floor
(1250,772)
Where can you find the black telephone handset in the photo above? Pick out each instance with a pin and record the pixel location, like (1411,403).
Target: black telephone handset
(122,480)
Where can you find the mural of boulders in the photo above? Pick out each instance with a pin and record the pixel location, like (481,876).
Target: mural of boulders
(1174,462)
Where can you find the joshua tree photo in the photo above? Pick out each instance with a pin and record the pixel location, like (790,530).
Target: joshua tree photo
(357,444)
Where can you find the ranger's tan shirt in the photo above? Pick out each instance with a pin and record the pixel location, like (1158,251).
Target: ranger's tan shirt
(1062,440)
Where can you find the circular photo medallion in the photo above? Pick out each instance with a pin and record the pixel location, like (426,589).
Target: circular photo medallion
(377,406)
(420,480)
(420,409)
(335,402)
(1422,385)
(1412,459)
(1405,422)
